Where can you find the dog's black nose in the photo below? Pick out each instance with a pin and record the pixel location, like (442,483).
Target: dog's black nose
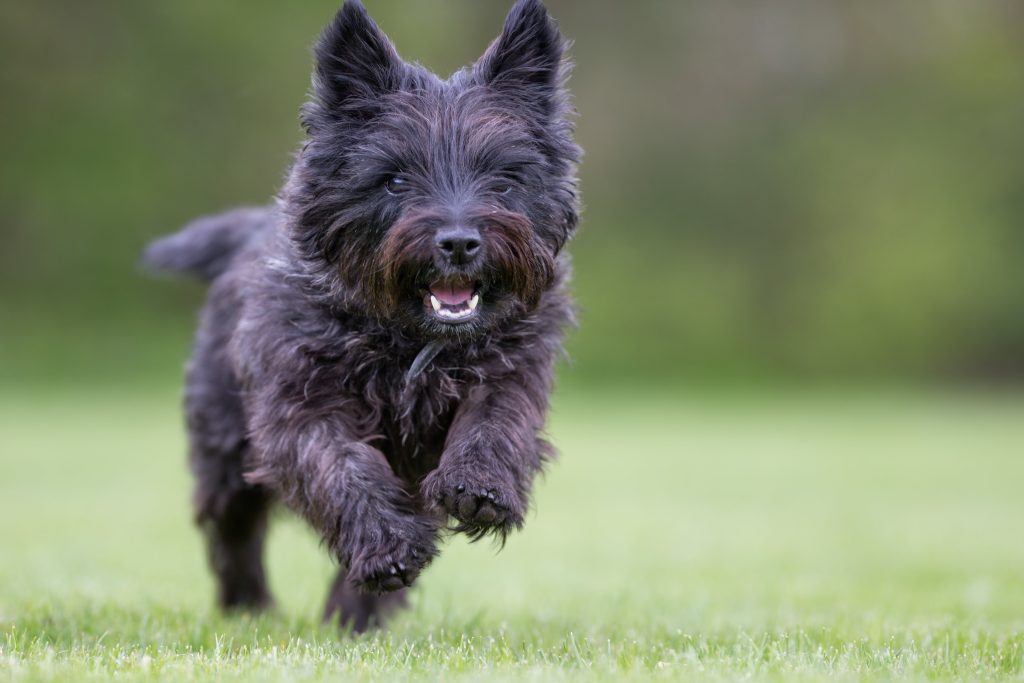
(459,245)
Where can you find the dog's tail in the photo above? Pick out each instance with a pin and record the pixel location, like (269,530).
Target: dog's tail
(206,246)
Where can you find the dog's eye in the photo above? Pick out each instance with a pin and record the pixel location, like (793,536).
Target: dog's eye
(503,188)
(394,184)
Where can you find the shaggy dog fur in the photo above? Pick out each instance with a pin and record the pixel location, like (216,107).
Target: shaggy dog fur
(378,345)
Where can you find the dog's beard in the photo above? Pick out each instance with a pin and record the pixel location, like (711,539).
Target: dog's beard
(410,284)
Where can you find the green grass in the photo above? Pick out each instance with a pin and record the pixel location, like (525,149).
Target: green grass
(871,538)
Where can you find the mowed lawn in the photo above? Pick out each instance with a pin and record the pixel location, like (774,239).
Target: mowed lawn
(808,537)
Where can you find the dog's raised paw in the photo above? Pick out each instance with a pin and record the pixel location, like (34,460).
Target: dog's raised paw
(391,578)
(479,509)
(389,571)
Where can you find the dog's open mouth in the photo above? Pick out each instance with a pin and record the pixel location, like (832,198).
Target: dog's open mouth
(453,299)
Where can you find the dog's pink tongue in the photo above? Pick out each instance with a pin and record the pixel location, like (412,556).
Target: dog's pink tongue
(451,295)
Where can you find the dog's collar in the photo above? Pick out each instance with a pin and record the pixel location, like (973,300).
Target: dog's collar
(427,354)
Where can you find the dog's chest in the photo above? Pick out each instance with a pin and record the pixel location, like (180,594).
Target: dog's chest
(407,416)
(400,398)
(415,427)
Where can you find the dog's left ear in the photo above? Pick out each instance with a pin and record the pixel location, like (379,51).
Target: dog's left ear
(356,64)
(526,59)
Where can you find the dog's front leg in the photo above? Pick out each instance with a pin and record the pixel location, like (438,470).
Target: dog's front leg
(348,492)
(491,455)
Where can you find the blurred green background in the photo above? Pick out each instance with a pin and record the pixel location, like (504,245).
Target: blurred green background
(818,201)
(794,190)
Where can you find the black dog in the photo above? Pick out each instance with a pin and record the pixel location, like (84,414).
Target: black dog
(378,346)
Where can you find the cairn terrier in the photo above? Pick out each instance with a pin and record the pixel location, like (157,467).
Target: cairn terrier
(377,347)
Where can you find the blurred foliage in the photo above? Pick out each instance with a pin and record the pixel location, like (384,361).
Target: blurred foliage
(790,189)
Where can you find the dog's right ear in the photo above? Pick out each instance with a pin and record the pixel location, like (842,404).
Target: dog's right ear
(526,60)
(356,64)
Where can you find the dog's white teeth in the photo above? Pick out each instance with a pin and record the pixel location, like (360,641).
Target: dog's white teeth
(457,312)
(449,314)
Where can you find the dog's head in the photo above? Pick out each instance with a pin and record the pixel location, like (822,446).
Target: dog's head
(437,204)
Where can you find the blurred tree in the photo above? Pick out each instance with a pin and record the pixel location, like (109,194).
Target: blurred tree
(795,188)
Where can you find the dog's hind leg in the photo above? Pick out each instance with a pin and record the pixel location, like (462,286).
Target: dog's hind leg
(233,517)
(231,511)
(358,610)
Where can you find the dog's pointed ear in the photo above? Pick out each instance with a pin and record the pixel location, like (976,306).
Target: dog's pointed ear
(526,59)
(355,63)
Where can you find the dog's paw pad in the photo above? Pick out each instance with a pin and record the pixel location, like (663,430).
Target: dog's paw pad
(479,509)
(390,571)
(384,580)
(478,505)
(395,579)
